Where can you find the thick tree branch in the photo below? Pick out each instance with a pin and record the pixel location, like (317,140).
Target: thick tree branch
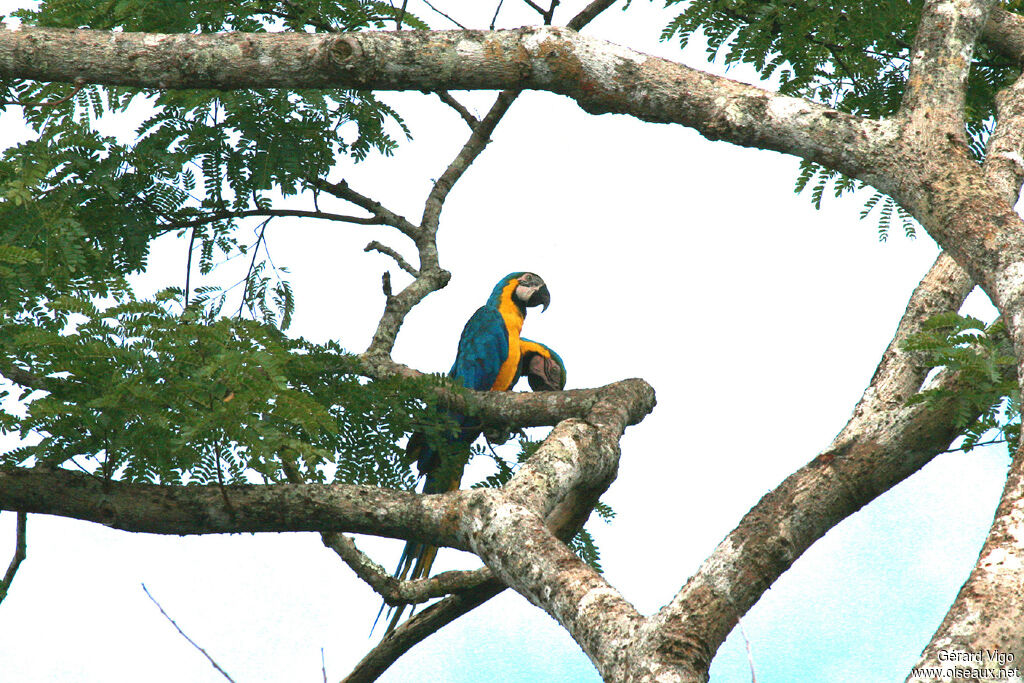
(885,441)
(223,509)
(940,61)
(285,507)
(600,76)
(506,527)
(986,612)
(978,615)
(1004,154)
(577,461)
(1004,32)
(565,521)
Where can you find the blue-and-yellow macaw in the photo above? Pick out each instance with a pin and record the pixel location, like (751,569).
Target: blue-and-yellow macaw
(488,359)
(543,368)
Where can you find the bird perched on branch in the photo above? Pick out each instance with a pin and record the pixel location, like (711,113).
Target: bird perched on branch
(488,359)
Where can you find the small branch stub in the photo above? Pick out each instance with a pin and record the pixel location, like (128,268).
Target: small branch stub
(344,52)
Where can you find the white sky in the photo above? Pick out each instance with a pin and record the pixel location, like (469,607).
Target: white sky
(692,264)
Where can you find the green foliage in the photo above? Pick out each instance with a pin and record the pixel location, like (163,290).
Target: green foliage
(141,394)
(138,392)
(583,542)
(85,206)
(985,402)
(852,55)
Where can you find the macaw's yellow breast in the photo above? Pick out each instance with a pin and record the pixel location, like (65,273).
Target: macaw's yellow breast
(513,317)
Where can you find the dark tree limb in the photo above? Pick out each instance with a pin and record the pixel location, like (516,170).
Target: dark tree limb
(391,589)
(381,215)
(397,592)
(884,442)
(20,553)
(29,380)
(446,97)
(388,251)
(271,213)
(419,627)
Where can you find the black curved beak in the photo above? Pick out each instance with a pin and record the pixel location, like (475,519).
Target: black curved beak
(542,297)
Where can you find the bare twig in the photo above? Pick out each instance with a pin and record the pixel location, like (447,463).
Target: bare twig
(79,84)
(427,3)
(397,592)
(188,266)
(588,14)
(401,16)
(271,213)
(549,15)
(540,10)
(20,553)
(28,379)
(417,628)
(471,120)
(185,636)
(497,9)
(388,251)
(252,266)
(466,156)
(382,216)
(323,664)
(750,655)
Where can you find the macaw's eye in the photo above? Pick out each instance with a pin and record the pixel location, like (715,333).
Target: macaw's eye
(533,294)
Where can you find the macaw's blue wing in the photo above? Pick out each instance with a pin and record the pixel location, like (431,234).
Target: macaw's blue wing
(483,349)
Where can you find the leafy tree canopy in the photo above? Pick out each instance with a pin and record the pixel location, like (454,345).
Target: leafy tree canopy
(178,389)
(852,55)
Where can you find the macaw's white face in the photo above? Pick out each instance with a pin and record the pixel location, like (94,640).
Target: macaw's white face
(532,291)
